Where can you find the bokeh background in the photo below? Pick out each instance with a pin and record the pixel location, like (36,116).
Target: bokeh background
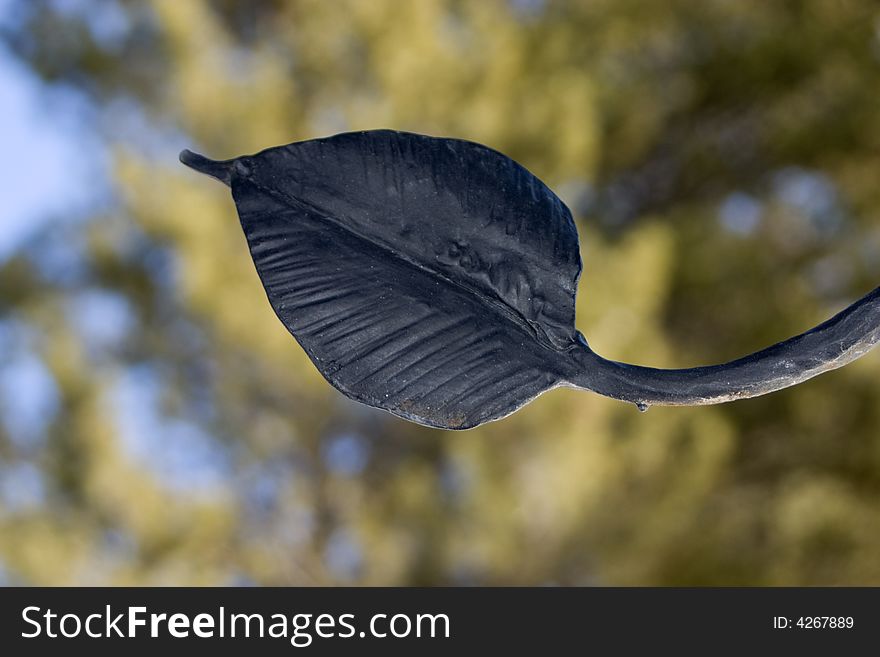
(160,426)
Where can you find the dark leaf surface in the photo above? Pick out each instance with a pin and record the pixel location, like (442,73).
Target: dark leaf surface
(455,208)
(386,331)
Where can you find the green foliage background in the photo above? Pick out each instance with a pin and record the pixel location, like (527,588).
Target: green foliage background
(722,160)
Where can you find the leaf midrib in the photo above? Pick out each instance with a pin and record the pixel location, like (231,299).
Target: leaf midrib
(497,304)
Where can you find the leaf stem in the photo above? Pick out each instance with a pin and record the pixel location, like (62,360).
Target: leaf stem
(842,339)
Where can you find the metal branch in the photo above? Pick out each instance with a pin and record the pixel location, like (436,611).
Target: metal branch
(842,339)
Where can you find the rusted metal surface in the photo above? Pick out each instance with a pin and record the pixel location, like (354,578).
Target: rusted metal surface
(436,278)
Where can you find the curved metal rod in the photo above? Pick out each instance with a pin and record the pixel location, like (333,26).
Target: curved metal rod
(842,339)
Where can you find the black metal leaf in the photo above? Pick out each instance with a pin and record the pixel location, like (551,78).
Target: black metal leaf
(433,278)
(436,278)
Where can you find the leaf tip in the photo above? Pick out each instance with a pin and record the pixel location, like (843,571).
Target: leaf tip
(220,170)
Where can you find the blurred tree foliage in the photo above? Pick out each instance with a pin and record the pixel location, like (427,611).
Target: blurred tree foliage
(722,160)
